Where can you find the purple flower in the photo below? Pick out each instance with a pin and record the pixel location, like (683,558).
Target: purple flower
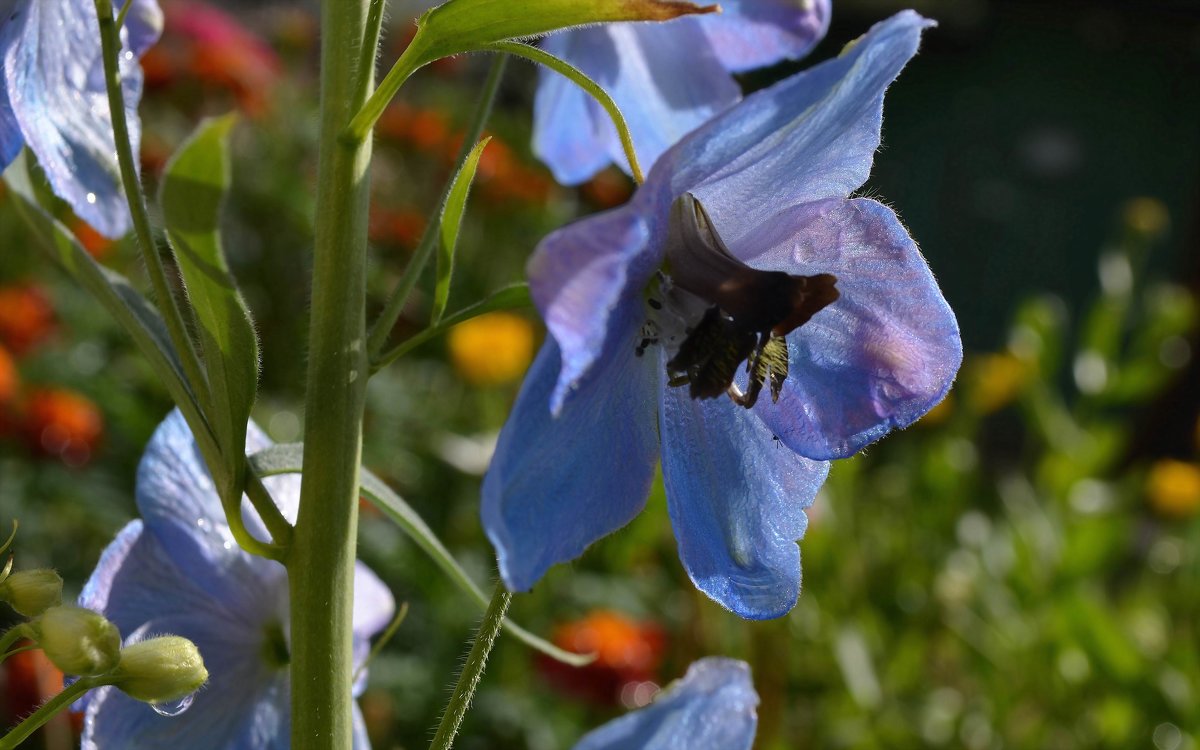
(52,97)
(751,211)
(711,708)
(178,571)
(667,78)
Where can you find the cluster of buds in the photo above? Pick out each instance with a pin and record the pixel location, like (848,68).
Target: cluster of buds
(85,644)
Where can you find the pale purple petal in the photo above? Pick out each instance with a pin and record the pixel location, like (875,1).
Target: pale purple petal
(582,278)
(737,498)
(664,77)
(558,484)
(712,708)
(880,356)
(143,25)
(809,137)
(53,76)
(751,34)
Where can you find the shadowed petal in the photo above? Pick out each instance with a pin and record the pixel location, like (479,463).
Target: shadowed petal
(737,499)
(53,76)
(179,503)
(583,278)
(571,133)
(880,356)
(751,34)
(557,484)
(711,708)
(809,137)
(144,25)
(664,77)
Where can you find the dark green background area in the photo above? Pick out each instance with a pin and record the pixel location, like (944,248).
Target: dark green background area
(1014,138)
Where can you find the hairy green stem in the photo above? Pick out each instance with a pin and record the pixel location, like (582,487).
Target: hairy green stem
(321,559)
(231,500)
(382,327)
(47,710)
(472,671)
(12,635)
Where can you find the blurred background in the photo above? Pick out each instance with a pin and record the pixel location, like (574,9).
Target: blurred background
(1021,569)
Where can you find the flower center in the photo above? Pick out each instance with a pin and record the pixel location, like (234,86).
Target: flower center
(733,313)
(275,646)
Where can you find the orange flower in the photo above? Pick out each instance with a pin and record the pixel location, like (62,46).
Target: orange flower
(395,228)
(97,245)
(492,349)
(30,679)
(61,423)
(26,318)
(8,379)
(628,653)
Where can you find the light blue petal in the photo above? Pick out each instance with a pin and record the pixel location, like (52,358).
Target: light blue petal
(52,75)
(750,34)
(880,356)
(571,133)
(809,137)
(139,587)
(557,484)
(179,503)
(143,25)
(664,77)
(712,708)
(585,278)
(374,607)
(737,499)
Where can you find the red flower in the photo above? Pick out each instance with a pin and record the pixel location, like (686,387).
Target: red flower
(62,423)
(26,318)
(628,654)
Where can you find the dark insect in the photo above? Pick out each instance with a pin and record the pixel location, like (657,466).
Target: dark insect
(750,314)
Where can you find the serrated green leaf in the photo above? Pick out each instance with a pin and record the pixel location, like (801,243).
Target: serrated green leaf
(451,223)
(288,458)
(506,298)
(130,309)
(192,195)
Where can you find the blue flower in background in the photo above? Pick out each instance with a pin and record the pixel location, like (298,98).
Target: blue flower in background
(178,571)
(759,197)
(711,708)
(667,78)
(53,99)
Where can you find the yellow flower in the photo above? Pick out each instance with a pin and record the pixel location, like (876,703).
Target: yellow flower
(492,349)
(996,380)
(1147,216)
(1173,487)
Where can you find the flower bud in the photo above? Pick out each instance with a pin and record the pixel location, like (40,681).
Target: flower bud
(79,641)
(161,670)
(31,592)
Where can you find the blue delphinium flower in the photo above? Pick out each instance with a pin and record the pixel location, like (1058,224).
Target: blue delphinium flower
(711,708)
(751,214)
(52,97)
(178,571)
(667,78)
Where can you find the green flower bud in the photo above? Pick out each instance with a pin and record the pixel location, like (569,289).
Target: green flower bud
(161,670)
(31,592)
(78,641)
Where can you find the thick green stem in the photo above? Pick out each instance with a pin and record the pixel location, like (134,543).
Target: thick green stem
(382,327)
(321,559)
(47,710)
(472,671)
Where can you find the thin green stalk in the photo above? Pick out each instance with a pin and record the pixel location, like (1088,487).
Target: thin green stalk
(320,561)
(110,44)
(472,671)
(47,710)
(382,327)
(365,118)
(12,635)
(277,524)
(580,79)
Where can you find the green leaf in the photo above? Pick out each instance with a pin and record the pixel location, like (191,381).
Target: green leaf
(192,194)
(506,298)
(130,309)
(288,458)
(461,26)
(452,213)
